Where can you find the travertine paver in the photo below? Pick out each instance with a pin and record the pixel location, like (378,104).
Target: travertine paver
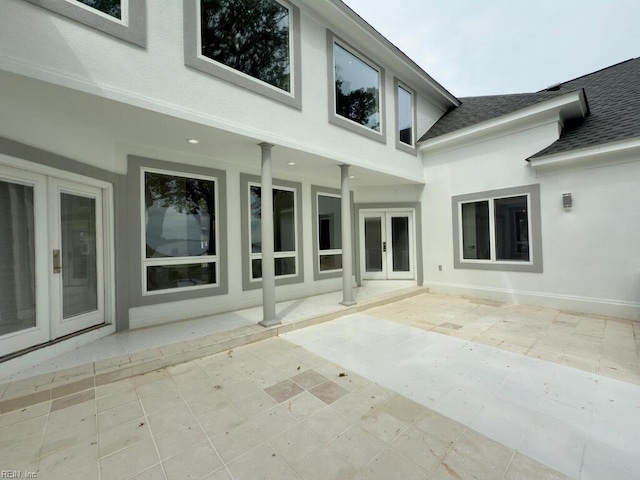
(604,345)
(211,419)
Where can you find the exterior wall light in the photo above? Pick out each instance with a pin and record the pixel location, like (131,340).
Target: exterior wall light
(567,201)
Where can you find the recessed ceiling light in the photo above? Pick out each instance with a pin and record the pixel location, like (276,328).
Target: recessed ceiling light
(193,141)
(352,176)
(291,163)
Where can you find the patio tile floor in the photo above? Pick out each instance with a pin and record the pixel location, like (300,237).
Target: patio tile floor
(429,387)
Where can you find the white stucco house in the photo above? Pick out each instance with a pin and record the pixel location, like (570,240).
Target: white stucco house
(138,140)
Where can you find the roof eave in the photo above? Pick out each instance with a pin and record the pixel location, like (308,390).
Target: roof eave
(565,107)
(627,146)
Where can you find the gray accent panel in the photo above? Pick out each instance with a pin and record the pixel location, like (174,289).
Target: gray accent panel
(418,231)
(535,229)
(247,284)
(135,229)
(135,32)
(337,119)
(35,155)
(317,275)
(193,59)
(400,145)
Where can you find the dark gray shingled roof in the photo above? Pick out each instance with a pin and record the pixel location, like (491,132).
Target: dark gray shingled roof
(613,94)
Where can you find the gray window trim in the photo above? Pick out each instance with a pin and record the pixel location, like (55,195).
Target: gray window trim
(137,296)
(338,120)
(133,31)
(535,265)
(401,145)
(247,283)
(193,59)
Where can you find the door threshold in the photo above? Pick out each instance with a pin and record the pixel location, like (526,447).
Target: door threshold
(24,351)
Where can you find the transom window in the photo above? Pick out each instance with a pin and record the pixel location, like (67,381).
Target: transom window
(180,231)
(251,37)
(284,231)
(329,232)
(499,230)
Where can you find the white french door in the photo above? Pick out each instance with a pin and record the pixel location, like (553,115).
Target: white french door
(76,245)
(52,240)
(386,244)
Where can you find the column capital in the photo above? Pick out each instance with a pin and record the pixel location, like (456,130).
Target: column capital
(266,145)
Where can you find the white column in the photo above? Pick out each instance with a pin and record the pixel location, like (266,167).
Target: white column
(347,253)
(268,267)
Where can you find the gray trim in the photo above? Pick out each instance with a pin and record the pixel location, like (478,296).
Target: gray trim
(137,299)
(247,284)
(337,119)
(535,230)
(193,59)
(315,189)
(418,233)
(135,31)
(35,155)
(400,145)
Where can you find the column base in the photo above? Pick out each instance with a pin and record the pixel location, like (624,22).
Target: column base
(348,303)
(270,323)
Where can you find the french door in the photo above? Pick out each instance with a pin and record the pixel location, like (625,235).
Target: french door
(51,258)
(386,244)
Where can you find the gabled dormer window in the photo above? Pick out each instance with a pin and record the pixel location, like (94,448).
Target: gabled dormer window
(252,44)
(124,19)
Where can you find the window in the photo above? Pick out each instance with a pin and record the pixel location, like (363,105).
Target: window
(112,8)
(499,228)
(405,118)
(329,232)
(180,231)
(356,91)
(124,19)
(284,231)
(253,44)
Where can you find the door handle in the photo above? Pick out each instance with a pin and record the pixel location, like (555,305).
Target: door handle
(384,246)
(57,264)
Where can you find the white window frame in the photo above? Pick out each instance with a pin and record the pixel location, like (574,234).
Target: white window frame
(335,251)
(124,11)
(258,256)
(492,232)
(344,122)
(153,262)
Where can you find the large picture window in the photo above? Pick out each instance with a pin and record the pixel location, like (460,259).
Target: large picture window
(251,37)
(112,8)
(500,228)
(329,232)
(356,91)
(180,231)
(253,44)
(284,231)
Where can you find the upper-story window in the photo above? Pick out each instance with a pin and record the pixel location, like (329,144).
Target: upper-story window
(112,8)
(124,19)
(356,90)
(252,44)
(405,118)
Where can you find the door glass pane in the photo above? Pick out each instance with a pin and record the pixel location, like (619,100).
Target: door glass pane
(373,244)
(17,258)
(512,228)
(475,231)
(79,263)
(400,243)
